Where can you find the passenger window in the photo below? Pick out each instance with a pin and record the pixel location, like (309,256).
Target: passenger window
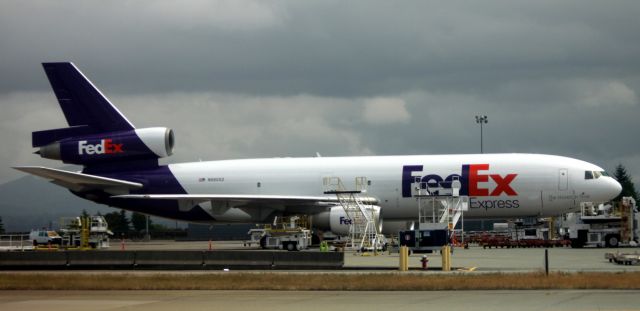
(588,175)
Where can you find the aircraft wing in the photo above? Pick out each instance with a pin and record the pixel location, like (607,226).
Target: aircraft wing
(229,197)
(224,201)
(80,182)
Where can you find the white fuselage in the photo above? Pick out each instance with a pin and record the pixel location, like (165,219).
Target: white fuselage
(498,185)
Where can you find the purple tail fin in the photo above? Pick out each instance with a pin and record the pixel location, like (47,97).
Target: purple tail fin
(87,111)
(99,137)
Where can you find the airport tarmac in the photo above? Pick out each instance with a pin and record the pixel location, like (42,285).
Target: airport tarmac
(474,258)
(320,300)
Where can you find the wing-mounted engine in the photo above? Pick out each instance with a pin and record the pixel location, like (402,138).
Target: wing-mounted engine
(338,222)
(136,144)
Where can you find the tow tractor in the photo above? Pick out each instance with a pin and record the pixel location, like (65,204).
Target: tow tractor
(288,233)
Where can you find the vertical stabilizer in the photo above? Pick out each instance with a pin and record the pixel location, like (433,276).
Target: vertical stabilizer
(81,102)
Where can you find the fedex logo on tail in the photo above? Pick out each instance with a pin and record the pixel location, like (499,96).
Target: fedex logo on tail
(471,179)
(106,146)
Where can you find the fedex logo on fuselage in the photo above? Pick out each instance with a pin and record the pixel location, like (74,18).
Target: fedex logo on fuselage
(106,146)
(471,179)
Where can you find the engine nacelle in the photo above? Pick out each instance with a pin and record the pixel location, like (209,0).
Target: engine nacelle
(337,221)
(146,143)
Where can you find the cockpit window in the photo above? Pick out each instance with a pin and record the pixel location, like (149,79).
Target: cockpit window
(588,175)
(594,174)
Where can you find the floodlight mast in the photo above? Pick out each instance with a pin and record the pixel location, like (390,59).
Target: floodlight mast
(481,120)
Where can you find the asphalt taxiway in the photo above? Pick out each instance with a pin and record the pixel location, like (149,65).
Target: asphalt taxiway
(475,258)
(319,300)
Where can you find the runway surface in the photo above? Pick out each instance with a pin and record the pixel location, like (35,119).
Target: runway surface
(327,300)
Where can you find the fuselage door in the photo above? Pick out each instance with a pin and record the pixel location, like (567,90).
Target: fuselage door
(563,179)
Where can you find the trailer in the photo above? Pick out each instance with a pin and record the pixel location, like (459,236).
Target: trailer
(623,258)
(604,225)
(521,234)
(503,241)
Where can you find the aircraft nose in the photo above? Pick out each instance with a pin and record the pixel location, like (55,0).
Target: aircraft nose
(615,188)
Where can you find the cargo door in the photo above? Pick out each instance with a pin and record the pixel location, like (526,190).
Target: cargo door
(563,179)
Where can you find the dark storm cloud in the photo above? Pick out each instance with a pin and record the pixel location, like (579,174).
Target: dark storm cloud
(319,47)
(289,78)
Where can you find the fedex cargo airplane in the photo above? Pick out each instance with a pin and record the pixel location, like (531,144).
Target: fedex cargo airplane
(121,169)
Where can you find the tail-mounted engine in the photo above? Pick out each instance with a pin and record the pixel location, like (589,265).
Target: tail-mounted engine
(146,143)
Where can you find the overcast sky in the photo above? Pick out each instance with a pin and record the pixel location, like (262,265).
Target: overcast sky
(245,79)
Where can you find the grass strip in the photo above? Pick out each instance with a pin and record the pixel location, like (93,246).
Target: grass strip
(315,281)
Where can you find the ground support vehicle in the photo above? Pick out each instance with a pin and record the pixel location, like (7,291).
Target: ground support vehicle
(502,241)
(424,241)
(85,232)
(623,258)
(44,237)
(288,233)
(605,225)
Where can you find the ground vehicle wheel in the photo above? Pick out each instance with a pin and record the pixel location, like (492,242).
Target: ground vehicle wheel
(290,246)
(612,240)
(263,242)
(35,243)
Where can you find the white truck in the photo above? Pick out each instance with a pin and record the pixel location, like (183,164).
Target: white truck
(604,225)
(44,237)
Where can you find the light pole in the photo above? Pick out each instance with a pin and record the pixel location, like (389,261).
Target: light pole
(480,120)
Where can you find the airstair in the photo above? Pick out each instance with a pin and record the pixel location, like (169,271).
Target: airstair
(364,233)
(440,206)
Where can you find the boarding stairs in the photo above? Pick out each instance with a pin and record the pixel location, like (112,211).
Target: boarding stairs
(364,232)
(440,206)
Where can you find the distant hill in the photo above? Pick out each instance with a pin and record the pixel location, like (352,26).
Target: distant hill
(31,202)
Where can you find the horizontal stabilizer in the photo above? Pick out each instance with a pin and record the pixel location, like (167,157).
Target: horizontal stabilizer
(80,182)
(42,138)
